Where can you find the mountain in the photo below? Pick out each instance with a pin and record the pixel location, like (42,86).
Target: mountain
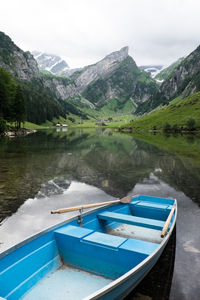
(77,82)
(114,77)
(126,82)
(183,81)
(183,115)
(166,72)
(40,102)
(114,83)
(49,62)
(152,70)
(53,64)
(17,62)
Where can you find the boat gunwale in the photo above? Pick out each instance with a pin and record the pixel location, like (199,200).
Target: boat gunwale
(49,229)
(117,281)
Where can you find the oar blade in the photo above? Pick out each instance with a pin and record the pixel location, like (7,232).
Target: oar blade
(126,199)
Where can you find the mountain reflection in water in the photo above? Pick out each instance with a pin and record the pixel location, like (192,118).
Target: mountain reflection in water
(52,169)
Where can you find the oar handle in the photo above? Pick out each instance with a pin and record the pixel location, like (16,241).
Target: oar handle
(68,209)
(165,228)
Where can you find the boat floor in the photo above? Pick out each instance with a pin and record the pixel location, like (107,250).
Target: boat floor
(66,283)
(136,232)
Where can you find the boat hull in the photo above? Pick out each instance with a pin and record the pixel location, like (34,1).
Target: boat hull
(104,245)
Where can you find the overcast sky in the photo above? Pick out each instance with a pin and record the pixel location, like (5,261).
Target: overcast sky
(84,31)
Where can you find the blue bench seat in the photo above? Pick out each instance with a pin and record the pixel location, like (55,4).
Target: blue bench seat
(105,240)
(152,205)
(100,253)
(152,210)
(132,220)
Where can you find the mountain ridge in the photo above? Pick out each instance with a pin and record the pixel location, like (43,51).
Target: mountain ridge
(53,63)
(116,76)
(182,82)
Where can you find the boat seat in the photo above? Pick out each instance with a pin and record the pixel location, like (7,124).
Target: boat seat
(152,205)
(151,210)
(132,220)
(138,246)
(73,231)
(103,239)
(120,243)
(89,236)
(104,254)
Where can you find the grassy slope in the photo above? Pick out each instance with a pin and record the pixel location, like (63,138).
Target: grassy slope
(175,113)
(113,107)
(187,146)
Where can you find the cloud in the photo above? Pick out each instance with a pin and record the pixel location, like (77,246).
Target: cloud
(83,32)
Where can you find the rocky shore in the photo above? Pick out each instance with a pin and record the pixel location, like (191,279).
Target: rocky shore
(20,132)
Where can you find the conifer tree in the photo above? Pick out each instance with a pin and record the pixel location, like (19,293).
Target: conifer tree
(18,107)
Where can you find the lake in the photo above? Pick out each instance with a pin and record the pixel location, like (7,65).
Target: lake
(57,168)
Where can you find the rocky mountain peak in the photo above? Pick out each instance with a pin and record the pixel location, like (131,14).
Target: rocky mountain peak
(118,55)
(50,62)
(101,69)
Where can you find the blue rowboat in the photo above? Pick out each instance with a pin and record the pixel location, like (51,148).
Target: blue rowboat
(100,254)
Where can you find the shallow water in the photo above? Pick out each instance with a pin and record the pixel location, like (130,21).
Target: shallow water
(50,170)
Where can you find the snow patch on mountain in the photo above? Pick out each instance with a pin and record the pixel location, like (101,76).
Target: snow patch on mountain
(152,70)
(53,63)
(50,62)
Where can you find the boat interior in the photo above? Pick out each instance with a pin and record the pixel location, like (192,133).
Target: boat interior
(75,260)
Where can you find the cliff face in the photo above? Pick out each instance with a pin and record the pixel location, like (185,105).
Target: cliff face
(184,79)
(166,72)
(40,102)
(100,69)
(17,62)
(115,76)
(81,79)
(124,83)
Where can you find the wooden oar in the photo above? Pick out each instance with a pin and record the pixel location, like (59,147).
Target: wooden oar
(126,199)
(165,228)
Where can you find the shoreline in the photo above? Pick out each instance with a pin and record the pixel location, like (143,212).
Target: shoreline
(20,132)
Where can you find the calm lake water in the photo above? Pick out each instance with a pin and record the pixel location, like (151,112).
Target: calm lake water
(54,169)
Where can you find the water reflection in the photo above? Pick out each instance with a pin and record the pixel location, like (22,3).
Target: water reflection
(34,214)
(53,169)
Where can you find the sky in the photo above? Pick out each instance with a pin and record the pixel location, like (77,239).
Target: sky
(84,31)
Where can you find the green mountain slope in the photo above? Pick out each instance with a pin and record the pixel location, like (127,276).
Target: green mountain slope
(114,84)
(177,115)
(182,82)
(41,102)
(127,82)
(165,73)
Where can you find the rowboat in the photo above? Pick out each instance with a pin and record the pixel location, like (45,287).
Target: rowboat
(102,253)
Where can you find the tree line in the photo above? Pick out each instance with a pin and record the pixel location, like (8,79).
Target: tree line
(12,102)
(26,100)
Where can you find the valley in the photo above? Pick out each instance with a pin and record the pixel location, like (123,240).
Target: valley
(113,92)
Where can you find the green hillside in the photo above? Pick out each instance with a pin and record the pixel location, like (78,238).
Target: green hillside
(126,82)
(184,146)
(176,115)
(165,73)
